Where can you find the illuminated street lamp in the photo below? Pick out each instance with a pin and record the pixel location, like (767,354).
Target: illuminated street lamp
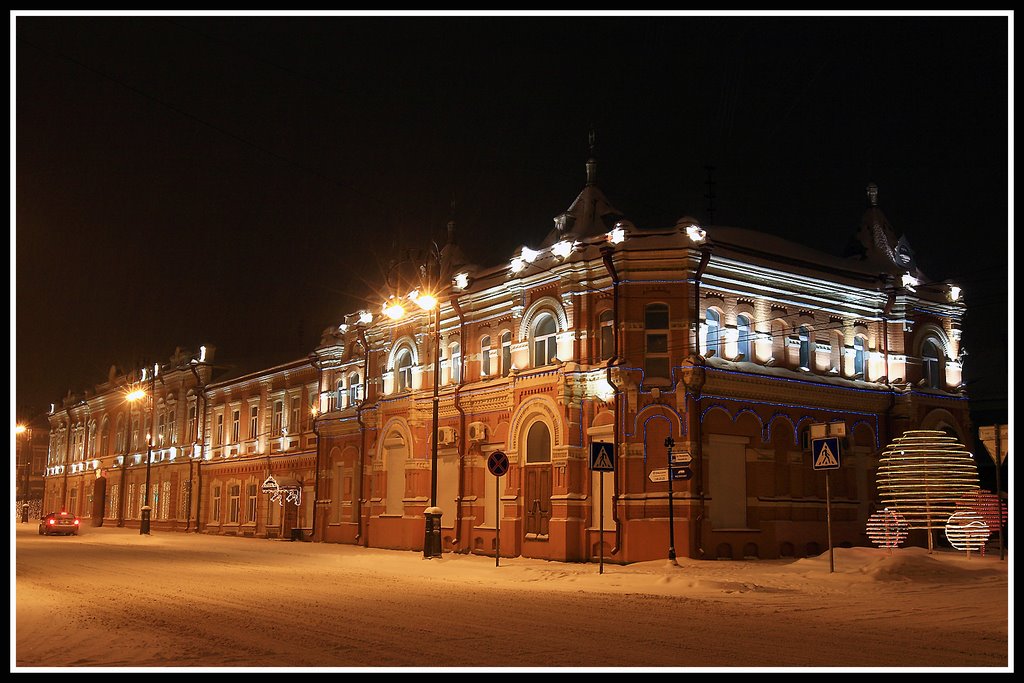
(432,525)
(146,512)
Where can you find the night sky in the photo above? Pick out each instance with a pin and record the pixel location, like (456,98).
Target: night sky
(241,181)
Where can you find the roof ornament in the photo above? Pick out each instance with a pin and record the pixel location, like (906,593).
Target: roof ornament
(592,162)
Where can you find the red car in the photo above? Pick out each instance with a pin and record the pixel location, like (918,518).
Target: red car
(59,523)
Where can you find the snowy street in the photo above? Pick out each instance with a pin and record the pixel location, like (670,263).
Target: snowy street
(112,598)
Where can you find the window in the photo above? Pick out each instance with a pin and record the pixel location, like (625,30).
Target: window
(544,340)
(931,355)
(161,426)
(119,442)
(216,503)
(135,433)
(355,393)
(485,356)
(235,419)
(506,353)
(656,349)
(455,356)
(743,338)
(278,417)
(192,422)
(607,334)
(805,348)
(254,422)
(220,430)
(538,443)
(130,513)
(112,513)
(165,501)
(339,394)
(858,356)
(233,492)
(714,332)
(293,424)
(250,504)
(403,370)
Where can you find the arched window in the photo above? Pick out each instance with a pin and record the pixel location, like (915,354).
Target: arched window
(544,340)
(744,336)
(714,331)
(858,356)
(455,362)
(119,442)
(485,356)
(931,360)
(805,348)
(355,389)
(538,443)
(607,326)
(506,353)
(403,370)
(339,394)
(656,342)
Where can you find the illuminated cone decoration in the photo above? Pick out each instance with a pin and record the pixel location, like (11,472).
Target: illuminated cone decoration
(923,474)
(887,529)
(966,530)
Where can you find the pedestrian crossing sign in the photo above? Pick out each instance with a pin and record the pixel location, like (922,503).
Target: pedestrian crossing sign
(602,457)
(825,453)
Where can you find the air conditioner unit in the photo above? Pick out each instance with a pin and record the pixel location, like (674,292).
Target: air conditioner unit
(446,435)
(477,431)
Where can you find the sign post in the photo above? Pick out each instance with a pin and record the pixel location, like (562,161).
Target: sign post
(825,456)
(497,464)
(669,443)
(602,459)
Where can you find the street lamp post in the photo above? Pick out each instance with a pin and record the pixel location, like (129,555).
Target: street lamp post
(146,512)
(432,524)
(394,310)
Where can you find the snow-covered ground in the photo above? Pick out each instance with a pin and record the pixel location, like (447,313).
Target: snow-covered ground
(112,598)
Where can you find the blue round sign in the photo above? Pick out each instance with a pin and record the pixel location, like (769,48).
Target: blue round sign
(497,463)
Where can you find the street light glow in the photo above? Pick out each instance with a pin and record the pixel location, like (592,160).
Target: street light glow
(20,429)
(135,395)
(426,301)
(393,309)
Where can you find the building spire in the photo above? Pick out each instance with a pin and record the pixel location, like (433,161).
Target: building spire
(591,162)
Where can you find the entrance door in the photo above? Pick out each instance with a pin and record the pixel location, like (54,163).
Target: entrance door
(537,481)
(99,495)
(291,518)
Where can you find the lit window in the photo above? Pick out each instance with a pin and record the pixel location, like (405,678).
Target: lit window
(485,356)
(220,429)
(254,422)
(545,347)
(455,360)
(216,503)
(931,357)
(192,422)
(403,370)
(233,492)
(339,394)
(743,337)
(294,425)
(278,417)
(355,393)
(656,362)
(506,353)
(235,419)
(858,356)
(713,337)
(250,507)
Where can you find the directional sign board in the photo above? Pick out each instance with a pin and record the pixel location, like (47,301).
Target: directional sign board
(497,463)
(825,453)
(683,473)
(602,457)
(681,458)
(658,475)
